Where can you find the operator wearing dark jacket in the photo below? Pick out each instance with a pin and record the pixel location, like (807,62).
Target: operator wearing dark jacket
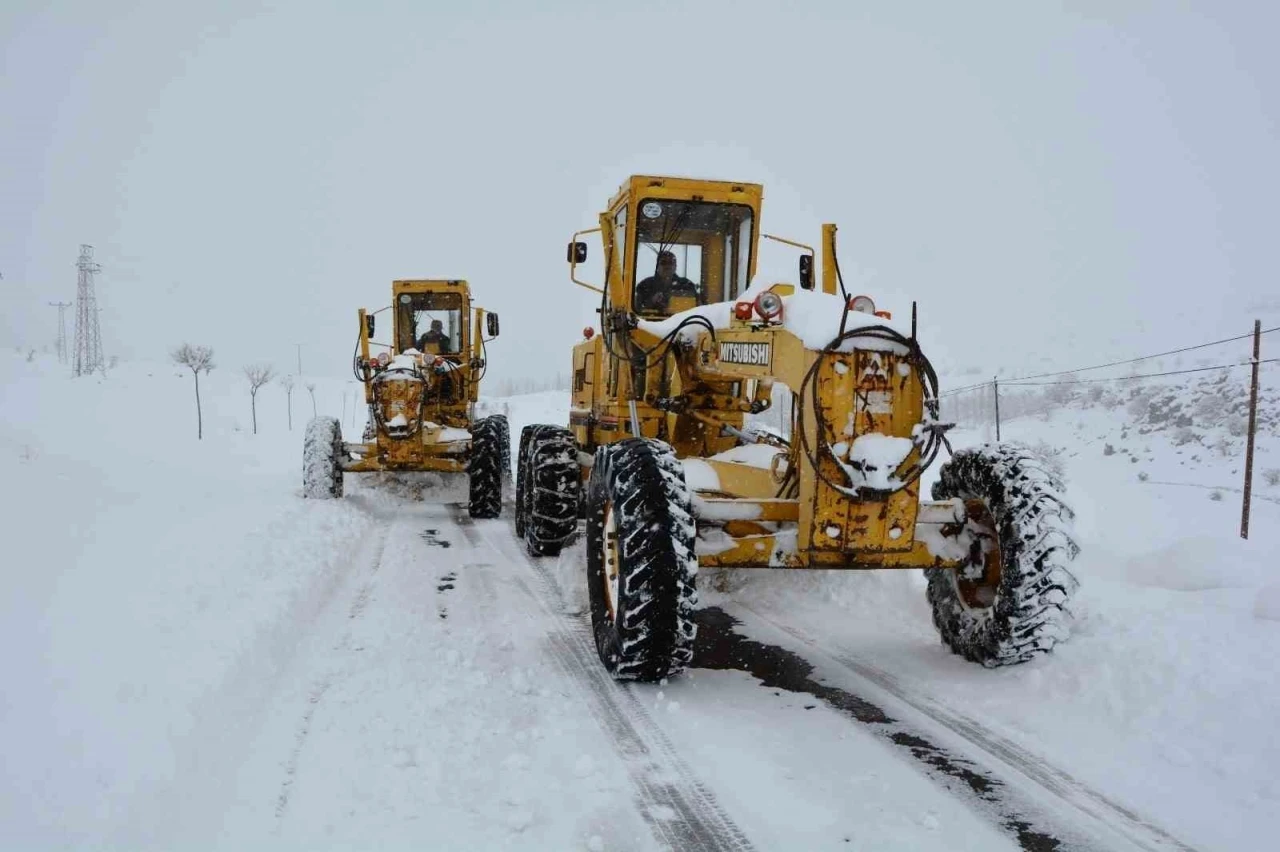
(653,292)
(436,336)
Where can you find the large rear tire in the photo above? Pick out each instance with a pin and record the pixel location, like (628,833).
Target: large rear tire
(484,469)
(641,565)
(322,455)
(548,489)
(1011,603)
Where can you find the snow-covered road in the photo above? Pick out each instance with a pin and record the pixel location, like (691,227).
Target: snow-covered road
(202,659)
(436,693)
(443,694)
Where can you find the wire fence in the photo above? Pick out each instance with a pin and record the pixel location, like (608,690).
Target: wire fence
(990,404)
(1221,411)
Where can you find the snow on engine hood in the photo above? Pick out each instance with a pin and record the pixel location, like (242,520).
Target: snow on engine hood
(812,316)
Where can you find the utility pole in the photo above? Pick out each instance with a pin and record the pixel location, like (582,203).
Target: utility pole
(1253,427)
(995,383)
(299,345)
(88,355)
(62,329)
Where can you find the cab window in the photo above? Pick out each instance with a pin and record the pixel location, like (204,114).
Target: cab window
(431,323)
(689,253)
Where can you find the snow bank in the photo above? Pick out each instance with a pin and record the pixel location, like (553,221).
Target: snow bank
(143,576)
(1196,564)
(1267,603)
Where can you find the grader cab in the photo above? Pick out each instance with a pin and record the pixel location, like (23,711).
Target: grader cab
(421,389)
(662,456)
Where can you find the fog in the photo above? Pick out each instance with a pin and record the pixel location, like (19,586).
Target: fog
(1055,186)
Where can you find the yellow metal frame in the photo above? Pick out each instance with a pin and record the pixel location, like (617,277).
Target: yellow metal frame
(428,450)
(696,401)
(573,263)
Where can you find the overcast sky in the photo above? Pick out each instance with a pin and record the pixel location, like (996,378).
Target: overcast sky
(1052,182)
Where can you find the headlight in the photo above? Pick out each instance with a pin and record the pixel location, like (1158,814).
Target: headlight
(769,305)
(863,304)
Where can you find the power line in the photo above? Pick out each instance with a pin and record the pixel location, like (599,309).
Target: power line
(955,391)
(1143,375)
(1143,358)
(1027,379)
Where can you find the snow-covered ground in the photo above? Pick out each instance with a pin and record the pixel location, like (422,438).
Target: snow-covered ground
(199,658)
(1166,697)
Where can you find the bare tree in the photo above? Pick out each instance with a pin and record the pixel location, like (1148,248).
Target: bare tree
(287,381)
(258,375)
(311,389)
(197,359)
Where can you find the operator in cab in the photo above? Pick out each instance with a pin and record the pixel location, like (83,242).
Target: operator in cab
(435,336)
(654,292)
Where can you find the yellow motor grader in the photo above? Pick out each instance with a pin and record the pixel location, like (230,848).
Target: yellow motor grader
(663,458)
(421,390)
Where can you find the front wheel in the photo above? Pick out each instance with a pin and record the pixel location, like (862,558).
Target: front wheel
(322,455)
(641,566)
(1010,603)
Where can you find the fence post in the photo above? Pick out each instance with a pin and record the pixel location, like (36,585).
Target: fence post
(995,383)
(1253,425)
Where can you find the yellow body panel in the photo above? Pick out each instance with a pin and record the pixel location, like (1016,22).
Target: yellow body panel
(803,511)
(439,406)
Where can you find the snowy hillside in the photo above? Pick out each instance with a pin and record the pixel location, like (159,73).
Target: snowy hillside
(199,658)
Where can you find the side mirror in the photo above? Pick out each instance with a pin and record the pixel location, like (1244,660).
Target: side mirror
(806,272)
(491,321)
(576,253)
(369,324)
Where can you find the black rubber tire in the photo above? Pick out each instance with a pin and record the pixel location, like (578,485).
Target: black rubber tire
(549,490)
(522,463)
(652,636)
(1030,612)
(504,446)
(322,455)
(484,468)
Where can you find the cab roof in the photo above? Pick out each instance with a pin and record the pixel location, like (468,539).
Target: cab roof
(685,187)
(421,285)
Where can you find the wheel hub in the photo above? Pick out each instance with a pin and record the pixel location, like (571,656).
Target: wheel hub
(978,582)
(611,562)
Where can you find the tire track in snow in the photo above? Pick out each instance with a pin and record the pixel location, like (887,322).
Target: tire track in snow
(318,690)
(1057,784)
(680,810)
(209,753)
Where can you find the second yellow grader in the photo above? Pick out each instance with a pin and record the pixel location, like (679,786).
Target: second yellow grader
(421,390)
